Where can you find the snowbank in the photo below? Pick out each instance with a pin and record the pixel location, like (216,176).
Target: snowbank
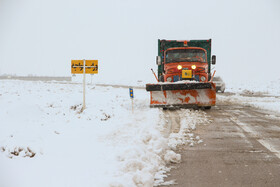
(45,139)
(269,103)
(263,95)
(254,87)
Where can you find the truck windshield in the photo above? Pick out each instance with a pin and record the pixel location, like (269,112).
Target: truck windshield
(185,55)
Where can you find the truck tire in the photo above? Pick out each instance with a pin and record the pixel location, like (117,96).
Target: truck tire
(207,107)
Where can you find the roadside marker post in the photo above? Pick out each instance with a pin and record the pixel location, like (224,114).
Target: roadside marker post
(84,67)
(131,97)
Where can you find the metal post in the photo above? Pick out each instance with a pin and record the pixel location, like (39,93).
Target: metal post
(84,86)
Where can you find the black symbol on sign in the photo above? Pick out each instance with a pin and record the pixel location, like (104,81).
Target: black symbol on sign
(96,68)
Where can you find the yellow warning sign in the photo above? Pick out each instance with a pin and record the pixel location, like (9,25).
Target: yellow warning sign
(77,66)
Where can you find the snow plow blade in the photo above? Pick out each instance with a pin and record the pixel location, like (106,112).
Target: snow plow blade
(182,95)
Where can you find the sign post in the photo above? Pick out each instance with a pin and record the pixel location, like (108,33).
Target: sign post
(84,67)
(84,85)
(131,97)
(91,79)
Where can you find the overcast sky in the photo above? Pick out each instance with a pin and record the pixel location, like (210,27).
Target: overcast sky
(40,37)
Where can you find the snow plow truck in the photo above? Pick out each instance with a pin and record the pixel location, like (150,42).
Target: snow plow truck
(184,75)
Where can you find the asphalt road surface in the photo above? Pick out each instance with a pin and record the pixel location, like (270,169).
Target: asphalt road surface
(241,148)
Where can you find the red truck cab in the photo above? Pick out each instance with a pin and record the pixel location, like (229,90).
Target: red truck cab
(185,63)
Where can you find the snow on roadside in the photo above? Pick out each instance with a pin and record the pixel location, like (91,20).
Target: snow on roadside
(263,95)
(254,88)
(188,123)
(45,139)
(267,103)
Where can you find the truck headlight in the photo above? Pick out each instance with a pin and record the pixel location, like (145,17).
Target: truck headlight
(202,78)
(169,79)
(179,67)
(193,66)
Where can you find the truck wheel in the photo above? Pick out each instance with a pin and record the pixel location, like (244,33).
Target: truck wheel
(207,107)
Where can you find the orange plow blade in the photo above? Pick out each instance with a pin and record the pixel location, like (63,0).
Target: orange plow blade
(174,95)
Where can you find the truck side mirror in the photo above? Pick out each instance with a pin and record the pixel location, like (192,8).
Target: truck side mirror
(213,59)
(158,60)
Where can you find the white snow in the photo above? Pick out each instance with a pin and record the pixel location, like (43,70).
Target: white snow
(255,87)
(263,95)
(45,139)
(185,136)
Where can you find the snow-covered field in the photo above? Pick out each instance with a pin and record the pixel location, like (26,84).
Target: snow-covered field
(45,139)
(263,95)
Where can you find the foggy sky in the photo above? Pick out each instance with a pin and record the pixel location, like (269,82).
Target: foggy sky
(40,37)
